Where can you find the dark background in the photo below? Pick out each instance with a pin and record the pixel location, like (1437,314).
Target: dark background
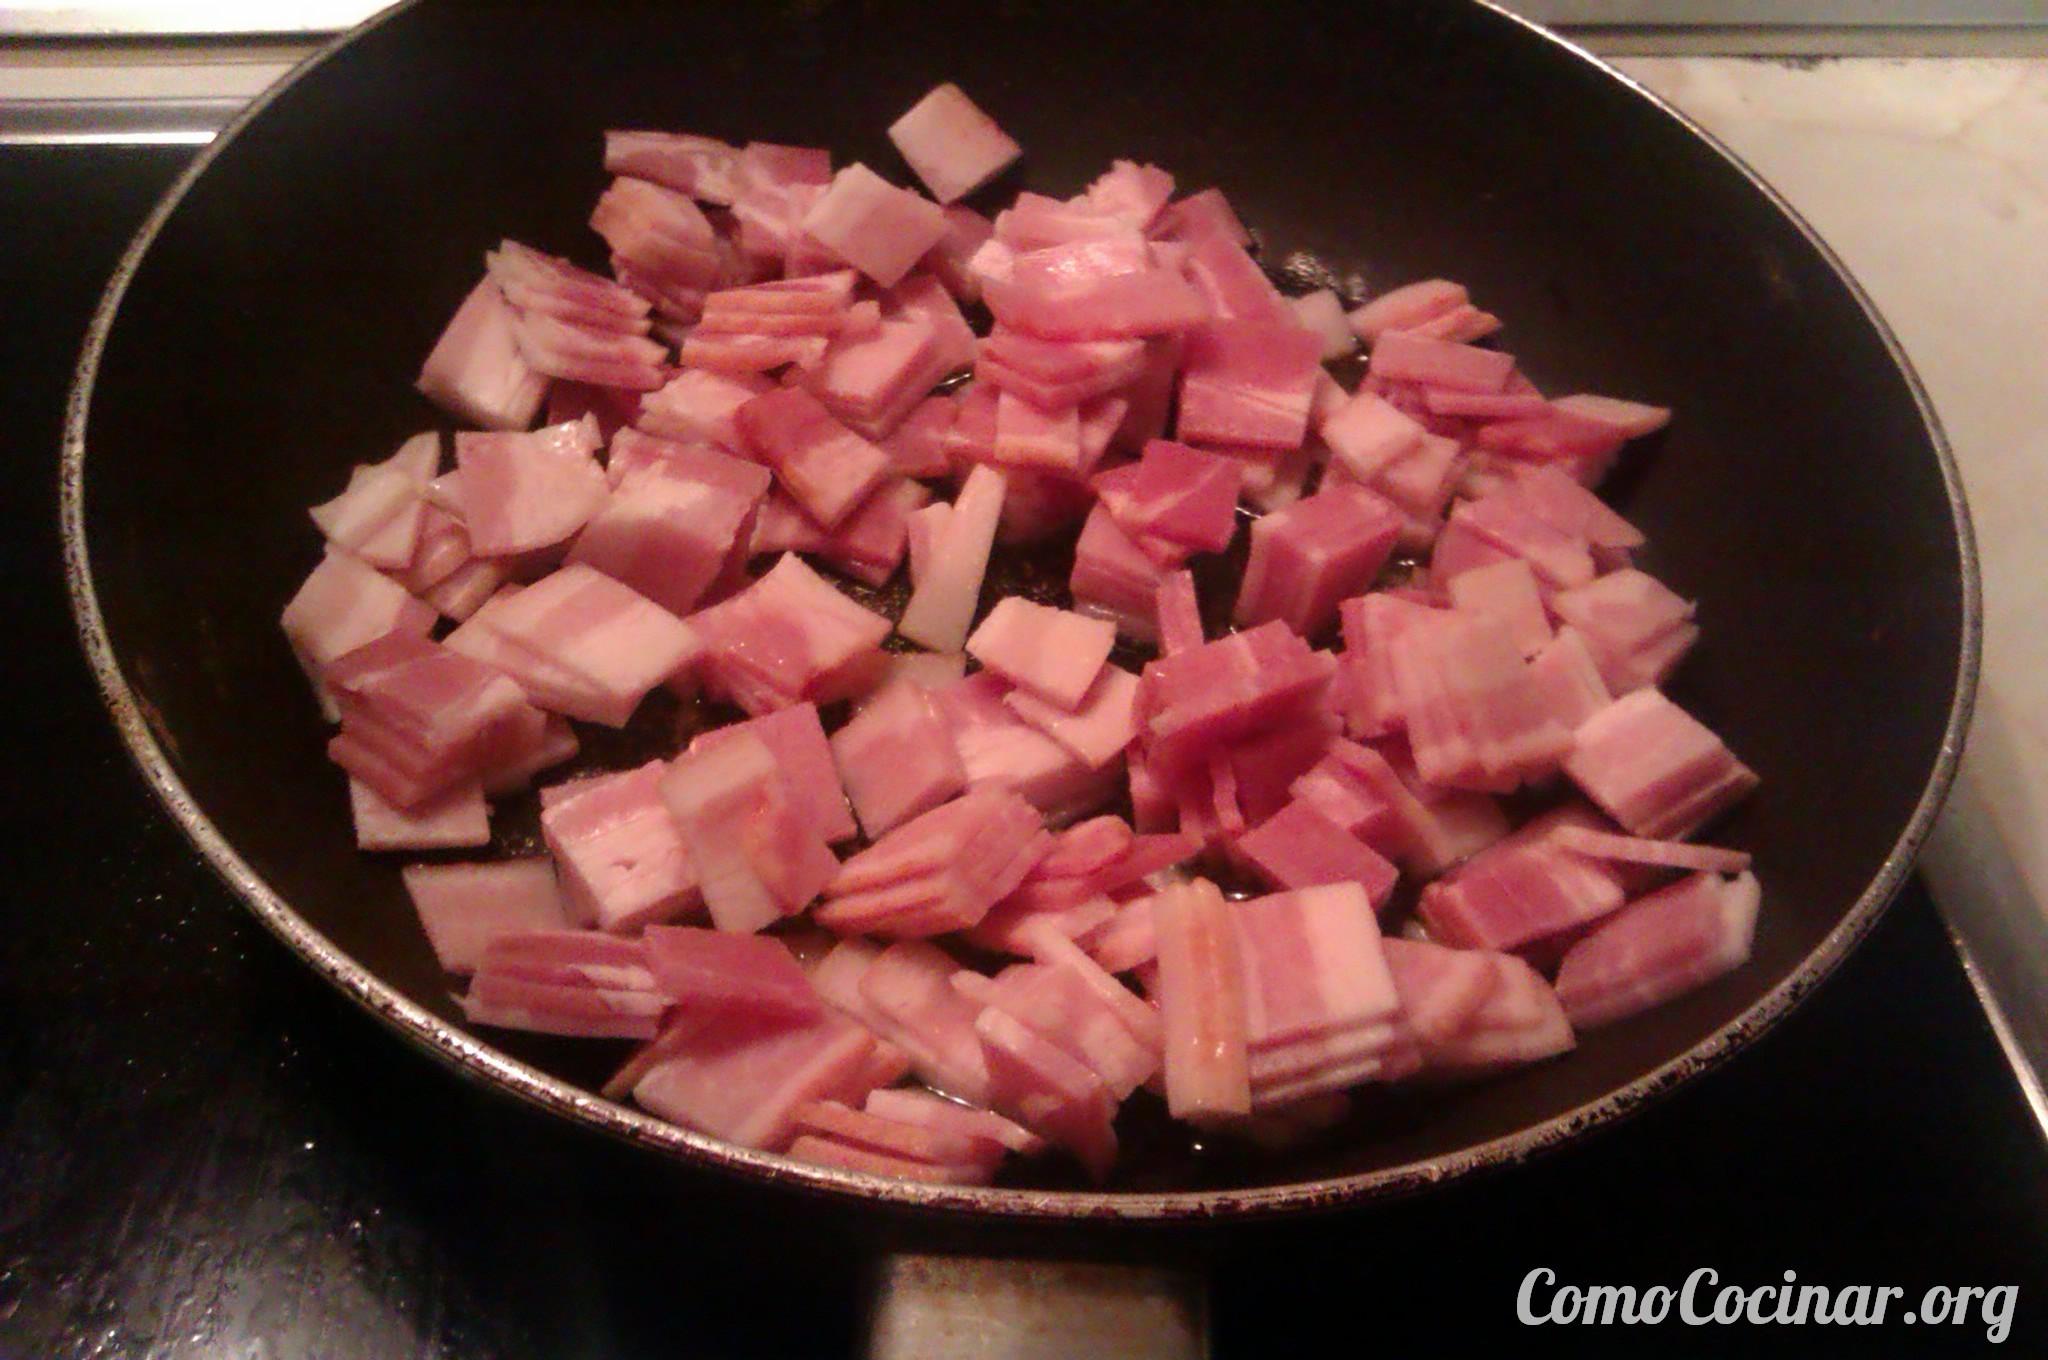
(205,1153)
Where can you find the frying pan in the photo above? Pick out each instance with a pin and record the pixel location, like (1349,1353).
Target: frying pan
(262,333)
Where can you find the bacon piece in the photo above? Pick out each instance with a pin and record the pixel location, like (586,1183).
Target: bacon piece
(1655,768)
(1074,1014)
(1670,942)
(1179,613)
(1028,437)
(1505,596)
(458,819)
(1098,727)
(709,970)
(1038,1084)
(475,371)
(1313,554)
(1053,653)
(739,1079)
(897,759)
(700,404)
(526,491)
(576,983)
(1114,307)
(943,605)
(1055,374)
(1234,285)
(1000,749)
(966,232)
(1408,308)
(1629,419)
(872,382)
(1203,1005)
(344,604)
(1322,312)
(905,993)
(1659,854)
(1247,384)
(874,226)
(464,907)
(759,857)
(796,738)
(668,530)
(1226,690)
(1402,356)
(917,447)
(1113,578)
(1636,628)
(1519,891)
(1300,847)
(940,871)
(1176,493)
(789,637)
(620,854)
(379,516)
(951,144)
(828,468)
(1474,1010)
(940,1115)
(702,167)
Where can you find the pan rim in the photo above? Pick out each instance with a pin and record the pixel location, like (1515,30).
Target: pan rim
(480,1061)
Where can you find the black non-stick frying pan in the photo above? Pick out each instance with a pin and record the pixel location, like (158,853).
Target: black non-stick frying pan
(263,331)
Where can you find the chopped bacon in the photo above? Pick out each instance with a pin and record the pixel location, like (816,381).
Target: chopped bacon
(1300,847)
(700,404)
(1203,1007)
(520,492)
(1229,689)
(951,144)
(1568,679)
(1247,384)
(940,1115)
(828,468)
(874,226)
(708,970)
(742,1080)
(1655,768)
(1408,308)
(1053,653)
(942,606)
(458,819)
(1076,1014)
(1636,628)
(621,857)
(1038,1084)
(576,983)
(1183,495)
(1000,748)
(1313,554)
(1505,597)
(476,371)
(897,758)
(1234,285)
(1402,356)
(345,604)
(1629,419)
(759,856)
(939,871)
(1113,307)
(669,529)
(788,637)
(1658,947)
(1521,890)
(796,738)
(379,516)
(702,167)
(464,907)
(1596,844)
(1475,1010)
(1113,578)
(1097,727)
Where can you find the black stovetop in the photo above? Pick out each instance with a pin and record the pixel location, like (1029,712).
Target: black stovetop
(204,1152)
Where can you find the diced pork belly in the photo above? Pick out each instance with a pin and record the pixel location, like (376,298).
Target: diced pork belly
(1402,356)
(1098,727)
(377,517)
(1233,283)
(940,1154)
(1408,308)
(669,535)
(1372,704)
(874,226)
(846,1154)
(951,144)
(999,748)
(1040,1085)
(1520,891)
(1053,653)
(789,637)
(526,491)
(1202,214)
(1655,768)
(759,856)
(536,283)
(1658,947)
(942,606)
(709,970)
(458,819)
(418,720)
(917,447)
(1474,1010)
(1132,193)
(1067,1011)
(1313,554)
(1203,1006)
(1247,384)
(897,758)
(463,907)
(1300,847)
(1028,437)
(1367,435)
(905,993)
(1629,419)
(1604,845)
(983,844)
(663,247)
(700,404)
(1182,495)
(940,1115)
(1323,313)
(744,1080)
(621,856)
(612,643)
(873,382)
(576,983)
(1502,521)
(1555,498)
(796,738)
(702,167)
(1505,596)
(1110,307)
(1636,628)
(344,604)
(1054,374)
(475,370)
(1113,579)
(1568,678)
(1229,689)
(1358,788)
(1179,613)
(828,468)
(966,232)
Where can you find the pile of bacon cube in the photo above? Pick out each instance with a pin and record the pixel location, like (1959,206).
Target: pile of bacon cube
(950,887)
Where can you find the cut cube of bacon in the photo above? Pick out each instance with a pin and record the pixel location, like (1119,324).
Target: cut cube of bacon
(1629,419)
(917,447)
(1658,947)
(378,517)
(897,759)
(700,404)
(1475,1010)
(1053,653)
(914,1144)
(1636,628)
(1112,307)
(796,738)
(1226,690)
(874,226)
(788,637)
(1202,1004)
(418,720)
(739,1079)
(1028,437)
(1176,493)
(344,604)
(1408,307)
(576,983)
(705,971)
(523,491)
(1068,1011)
(940,1115)
(1402,356)
(905,994)
(938,872)
(458,819)
(1234,285)
(620,854)
(1655,768)
(1098,727)
(464,907)
(1039,1085)
(1300,847)
(1179,613)
(1603,845)
(669,534)
(1372,703)
(759,857)
(828,468)
(1000,749)
(1130,192)
(475,371)
(1247,384)
(942,606)
(951,144)
(1312,554)
(1054,374)
(1555,498)
(1113,578)
(1569,680)
(1519,891)
(1505,596)
(702,167)
(872,382)
(1323,312)
(1202,214)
